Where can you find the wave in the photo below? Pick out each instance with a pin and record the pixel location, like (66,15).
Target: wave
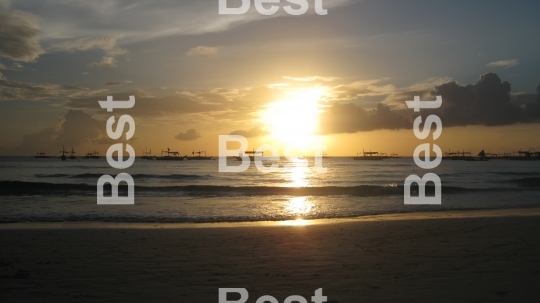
(524,182)
(19,188)
(135,176)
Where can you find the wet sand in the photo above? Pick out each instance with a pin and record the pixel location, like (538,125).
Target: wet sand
(468,256)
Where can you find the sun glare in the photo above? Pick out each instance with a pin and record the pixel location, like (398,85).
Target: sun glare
(293,121)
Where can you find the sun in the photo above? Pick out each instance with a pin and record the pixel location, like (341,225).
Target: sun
(293,120)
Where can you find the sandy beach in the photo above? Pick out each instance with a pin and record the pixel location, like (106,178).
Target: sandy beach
(467,256)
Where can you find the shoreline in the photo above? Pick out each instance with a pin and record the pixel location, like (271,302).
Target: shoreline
(427,215)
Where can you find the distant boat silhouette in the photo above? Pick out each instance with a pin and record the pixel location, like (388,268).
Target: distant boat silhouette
(72,154)
(199,157)
(92,155)
(372,156)
(41,155)
(63,151)
(147,155)
(169,155)
(481,157)
(251,154)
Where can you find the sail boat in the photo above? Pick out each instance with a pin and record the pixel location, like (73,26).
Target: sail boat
(199,157)
(63,151)
(72,154)
(251,154)
(170,155)
(369,156)
(147,155)
(41,155)
(481,157)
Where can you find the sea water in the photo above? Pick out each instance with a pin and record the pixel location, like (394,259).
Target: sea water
(44,190)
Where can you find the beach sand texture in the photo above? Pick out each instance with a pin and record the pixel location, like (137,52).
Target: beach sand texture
(473,256)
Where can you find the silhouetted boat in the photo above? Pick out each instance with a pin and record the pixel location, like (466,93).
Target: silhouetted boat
(371,156)
(199,157)
(481,157)
(251,154)
(170,155)
(92,155)
(63,151)
(522,155)
(147,155)
(41,156)
(72,154)
(394,156)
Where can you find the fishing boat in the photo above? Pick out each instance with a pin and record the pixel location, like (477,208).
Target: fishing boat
(251,154)
(169,155)
(520,155)
(481,157)
(64,152)
(41,155)
(147,155)
(72,154)
(199,156)
(371,156)
(394,156)
(92,155)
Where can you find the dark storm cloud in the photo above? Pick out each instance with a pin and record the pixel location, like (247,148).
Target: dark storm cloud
(349,118)
(254,132)
(488,102)
(189,135)
(19,35)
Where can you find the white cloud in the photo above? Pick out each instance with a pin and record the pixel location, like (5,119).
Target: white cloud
(105,63)
(202,51)
(504,63)
(107,44)
(310,79)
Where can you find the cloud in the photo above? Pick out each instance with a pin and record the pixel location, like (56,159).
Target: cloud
(19,35)
(117,83)
(310,79)
(143,19)
(254,132)
(13,90)
(350,118)
(75,128)
(202,51)
(105,63)
(361,88)
(504,63)
(14,66)
(189,135)
(488,102)
(107,44)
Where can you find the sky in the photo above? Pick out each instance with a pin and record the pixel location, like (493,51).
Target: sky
(342,78)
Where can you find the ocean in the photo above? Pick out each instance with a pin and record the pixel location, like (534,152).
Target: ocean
(50,190)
